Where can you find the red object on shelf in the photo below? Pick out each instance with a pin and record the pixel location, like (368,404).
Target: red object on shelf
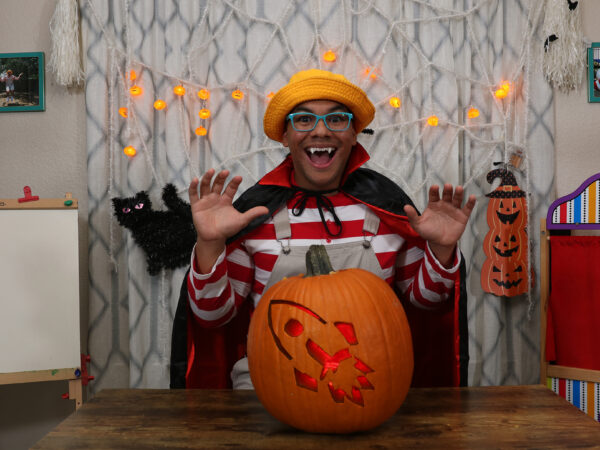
(28,197)
(85,377)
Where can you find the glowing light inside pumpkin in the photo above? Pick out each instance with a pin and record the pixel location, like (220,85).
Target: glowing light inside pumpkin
(204,113)
(203,94)
(395,102)
(305,381)
(237,94)
(135,90)
(472,113)
(329,56)
(432,121)
(347,330)
(364,382)
(123,111)
(129,150)
(293,328)
(159,104)
(201,131)
(179,90)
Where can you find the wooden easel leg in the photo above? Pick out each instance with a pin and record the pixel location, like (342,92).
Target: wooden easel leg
(76,392)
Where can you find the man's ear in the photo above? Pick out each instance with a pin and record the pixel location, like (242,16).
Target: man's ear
(284,140)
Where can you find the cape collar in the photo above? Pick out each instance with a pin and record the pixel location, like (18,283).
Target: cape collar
(282,175)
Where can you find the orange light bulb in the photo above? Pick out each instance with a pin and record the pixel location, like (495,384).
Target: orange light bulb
(472,113)
(129,150)
(370,73)
(132,75)
(503,90)
(203,94)
(395,102)
(201,131)
(237,94)
(135,90)
(159,104)
(179,90)
(329,56)
(204,113)
(123,111)
(433,121)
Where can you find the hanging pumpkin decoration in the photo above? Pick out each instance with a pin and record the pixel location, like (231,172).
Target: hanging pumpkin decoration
(504,277)
(330,352)
(506,245)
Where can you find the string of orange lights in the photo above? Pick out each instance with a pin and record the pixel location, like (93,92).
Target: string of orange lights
(501,92)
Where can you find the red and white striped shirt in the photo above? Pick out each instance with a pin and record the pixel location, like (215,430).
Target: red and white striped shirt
(243,269)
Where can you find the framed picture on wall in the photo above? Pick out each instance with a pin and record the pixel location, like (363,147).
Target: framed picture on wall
(22,82)
(594,72)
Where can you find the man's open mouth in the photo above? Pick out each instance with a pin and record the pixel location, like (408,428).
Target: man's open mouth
(320,156)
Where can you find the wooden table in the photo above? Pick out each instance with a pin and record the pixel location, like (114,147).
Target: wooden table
(476,417)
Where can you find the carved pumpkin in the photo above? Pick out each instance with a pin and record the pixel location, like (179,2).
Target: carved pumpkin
(330,352)
(506,245)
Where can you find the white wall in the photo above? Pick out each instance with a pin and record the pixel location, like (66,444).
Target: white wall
(577,140)
(46,150)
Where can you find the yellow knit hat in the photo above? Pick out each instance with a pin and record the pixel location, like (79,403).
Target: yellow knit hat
(315,84)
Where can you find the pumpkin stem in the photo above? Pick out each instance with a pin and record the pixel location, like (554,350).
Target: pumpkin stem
(317,261)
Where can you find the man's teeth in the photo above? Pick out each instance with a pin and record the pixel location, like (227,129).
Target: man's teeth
(313,150)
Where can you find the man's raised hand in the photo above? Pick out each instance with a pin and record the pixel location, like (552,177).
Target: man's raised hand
(215,218)
(443,221)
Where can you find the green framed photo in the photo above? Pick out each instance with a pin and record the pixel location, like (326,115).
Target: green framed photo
(22,82)
(594,72)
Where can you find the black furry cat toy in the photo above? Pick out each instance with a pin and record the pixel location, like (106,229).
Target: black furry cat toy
(167,237)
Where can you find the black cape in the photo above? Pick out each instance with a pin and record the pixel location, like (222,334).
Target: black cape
(439,359)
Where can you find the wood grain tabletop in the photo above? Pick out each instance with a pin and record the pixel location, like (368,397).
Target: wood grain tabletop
(473,417)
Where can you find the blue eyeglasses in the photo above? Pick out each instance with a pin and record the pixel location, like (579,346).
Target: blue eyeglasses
(307,121)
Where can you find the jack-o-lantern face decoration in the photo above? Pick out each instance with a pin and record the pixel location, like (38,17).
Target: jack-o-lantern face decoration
(506,244)
(330,352)
(503,246)
(507,205)
(508,211)
(506,278)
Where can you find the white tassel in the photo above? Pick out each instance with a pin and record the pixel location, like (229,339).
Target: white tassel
(64,28)
(564,56)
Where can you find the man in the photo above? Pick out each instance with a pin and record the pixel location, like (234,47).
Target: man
(10,79)
(319,194)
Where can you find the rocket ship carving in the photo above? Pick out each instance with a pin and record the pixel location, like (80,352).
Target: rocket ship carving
(326,357)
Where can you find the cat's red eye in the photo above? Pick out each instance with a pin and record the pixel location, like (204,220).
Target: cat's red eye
(139,206)
(126,210)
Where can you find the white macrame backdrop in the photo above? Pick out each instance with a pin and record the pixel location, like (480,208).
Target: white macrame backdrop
(439,57)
